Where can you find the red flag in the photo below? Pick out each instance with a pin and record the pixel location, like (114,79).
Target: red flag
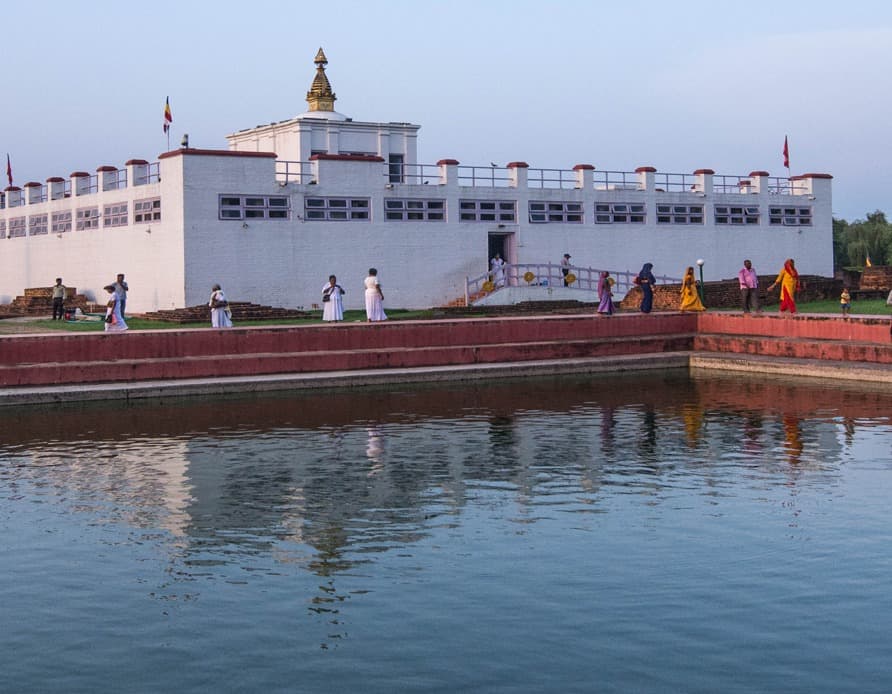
(168,118)
(786,153)
(8,169)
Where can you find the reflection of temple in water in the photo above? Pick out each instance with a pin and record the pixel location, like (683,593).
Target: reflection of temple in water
(328,487)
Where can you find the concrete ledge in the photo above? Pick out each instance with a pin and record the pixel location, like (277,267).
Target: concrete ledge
(337,379)
(877,374)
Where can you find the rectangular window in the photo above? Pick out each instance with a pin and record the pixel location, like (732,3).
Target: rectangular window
(501,211)
(252,207)
(566,212)
(736,216)
(61,222)
(17,227)
(337,209)
(87,218)
(115,215)
(620,213)
(2,228)
(145,211)
(405,210)
(37,225)
(789,216)
(395,169)
(679,214)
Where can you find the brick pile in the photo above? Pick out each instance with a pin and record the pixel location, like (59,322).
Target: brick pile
(241,310)
(38,301)
(877,278)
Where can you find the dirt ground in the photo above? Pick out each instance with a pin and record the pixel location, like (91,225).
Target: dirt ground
(18,326)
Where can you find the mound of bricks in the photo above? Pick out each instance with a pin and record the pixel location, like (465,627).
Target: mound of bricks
(241,310)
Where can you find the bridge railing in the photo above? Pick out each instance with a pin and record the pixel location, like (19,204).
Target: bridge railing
(551,275)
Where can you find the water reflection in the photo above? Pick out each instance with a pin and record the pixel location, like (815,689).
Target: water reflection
(313,481)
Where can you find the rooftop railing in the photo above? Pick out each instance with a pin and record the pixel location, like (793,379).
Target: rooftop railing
(294,171)
(484,176)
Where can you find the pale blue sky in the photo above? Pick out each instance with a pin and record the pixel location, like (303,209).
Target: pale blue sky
(675,85)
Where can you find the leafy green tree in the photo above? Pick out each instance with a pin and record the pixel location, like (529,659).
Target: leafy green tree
(840,246)
(869,238)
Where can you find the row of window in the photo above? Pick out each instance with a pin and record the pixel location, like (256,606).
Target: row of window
(114,215)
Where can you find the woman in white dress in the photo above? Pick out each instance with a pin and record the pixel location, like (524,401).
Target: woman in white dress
(221,314)
(374,297)
(331,299)
(497,268)
(114,321)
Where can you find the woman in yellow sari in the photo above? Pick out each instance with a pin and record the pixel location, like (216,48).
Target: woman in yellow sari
(788,279)
(690,299)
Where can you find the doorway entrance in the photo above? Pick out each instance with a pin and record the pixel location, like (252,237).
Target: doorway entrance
(503,244)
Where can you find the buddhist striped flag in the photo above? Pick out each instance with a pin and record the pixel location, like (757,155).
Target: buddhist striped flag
(786,153)
(168,118)
(8,169)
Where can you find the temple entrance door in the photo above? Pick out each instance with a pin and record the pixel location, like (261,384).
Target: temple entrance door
(503,244)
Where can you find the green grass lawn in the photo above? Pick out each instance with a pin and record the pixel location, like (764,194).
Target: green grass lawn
(141,324)
(865,307)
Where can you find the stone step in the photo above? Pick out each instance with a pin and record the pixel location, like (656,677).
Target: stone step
(209,366)
(795,347)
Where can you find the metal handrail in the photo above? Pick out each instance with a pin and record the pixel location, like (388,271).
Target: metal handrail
(551,275)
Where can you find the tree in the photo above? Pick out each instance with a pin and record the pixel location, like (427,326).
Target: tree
(840,249)
(870,238)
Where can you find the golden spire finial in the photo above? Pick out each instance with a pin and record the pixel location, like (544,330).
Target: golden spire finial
(320,97)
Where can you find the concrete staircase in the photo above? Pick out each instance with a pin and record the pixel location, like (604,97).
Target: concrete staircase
(726,339)
(208,353)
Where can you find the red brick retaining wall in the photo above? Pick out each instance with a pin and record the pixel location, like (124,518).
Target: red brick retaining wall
(209,353)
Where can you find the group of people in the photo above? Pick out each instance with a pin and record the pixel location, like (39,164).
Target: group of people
(332,301)
(332,298)
(748,280)
(333,310)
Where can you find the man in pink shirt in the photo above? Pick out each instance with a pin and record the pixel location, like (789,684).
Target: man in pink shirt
(749,287)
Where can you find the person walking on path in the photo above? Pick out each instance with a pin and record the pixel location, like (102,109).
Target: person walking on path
(605,295)
(690,297)
(59,292)
(221,314)
(121,290)
(788,279)
(114,320)
(749,288)
(646,280)
(565,268)
(497,269)
(374,298)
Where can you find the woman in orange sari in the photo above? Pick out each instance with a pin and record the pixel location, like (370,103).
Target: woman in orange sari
(788,279)
(690,297)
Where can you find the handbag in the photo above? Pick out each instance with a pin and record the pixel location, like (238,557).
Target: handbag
(326,296)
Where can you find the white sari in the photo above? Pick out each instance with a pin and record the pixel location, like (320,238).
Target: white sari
(374,304)
(221,316)
(333,309)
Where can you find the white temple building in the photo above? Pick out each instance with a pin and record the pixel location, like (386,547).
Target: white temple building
(294,201)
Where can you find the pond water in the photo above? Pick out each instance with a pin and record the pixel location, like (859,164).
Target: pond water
(615,534)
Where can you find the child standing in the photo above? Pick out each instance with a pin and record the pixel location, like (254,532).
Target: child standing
(845,302)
